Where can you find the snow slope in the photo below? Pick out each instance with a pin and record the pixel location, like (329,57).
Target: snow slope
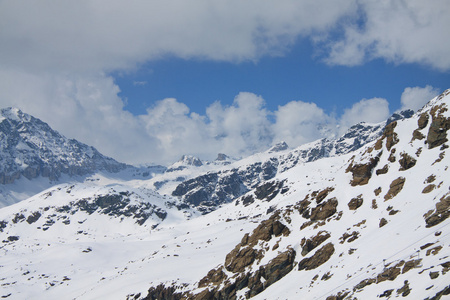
(369,224)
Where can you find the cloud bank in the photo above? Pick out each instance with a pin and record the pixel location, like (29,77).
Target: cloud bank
(56,59)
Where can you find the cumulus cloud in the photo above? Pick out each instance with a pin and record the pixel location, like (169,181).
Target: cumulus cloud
(56,57)
(416,97)
(372,110)
(300,122)
(397,31)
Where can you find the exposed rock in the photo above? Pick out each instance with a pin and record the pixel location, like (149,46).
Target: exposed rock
(214,276)
(417,135)
(406,162)
(362,284)
(405,290)
(310,244)
(320,195)
(428,188)
(434,275)
(383,170)
(279,147)
(430,179)
(319,258)
(244,254)
(162,292)
(441,213)
(394,188)
(389,135)
(437,133)
(377,191)
(355,203)
(383,222)
(390,273)
(268,190)
(444,292)
(422,122)
(324,210)
(349,237)
(340,296)
(362,172)
(33,217)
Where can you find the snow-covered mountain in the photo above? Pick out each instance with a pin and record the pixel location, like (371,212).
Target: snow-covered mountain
(361,217)
(33,157)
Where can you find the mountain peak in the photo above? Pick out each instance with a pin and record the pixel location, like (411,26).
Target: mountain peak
(13,113)
(281,146)
(30,148)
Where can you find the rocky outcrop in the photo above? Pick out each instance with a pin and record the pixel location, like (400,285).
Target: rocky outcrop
(355,203)
(310,244)
(362,172)
(324,210)
(319,258)
(437,133)
(394,188)
(406,162)
(219,285)
(440,213)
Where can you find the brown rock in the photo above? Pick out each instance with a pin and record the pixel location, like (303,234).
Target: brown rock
(394,188)
(440,214)
(428,188)
(406,162)
(311,243)
(355,203)
(383,222)
(383,170)
(320,257)
(390,135)
(417,135)
(362,172)
(434,275)
(324,210)
(377,191)
(437,133)
(322,194)
(423,120)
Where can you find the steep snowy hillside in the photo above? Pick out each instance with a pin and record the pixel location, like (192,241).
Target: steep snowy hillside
(366,223)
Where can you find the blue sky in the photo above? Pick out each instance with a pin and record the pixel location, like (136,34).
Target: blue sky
(150,81)
(297,75)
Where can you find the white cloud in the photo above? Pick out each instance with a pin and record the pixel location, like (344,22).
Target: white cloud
(416,97)
(299,122)
(412,31)
(55,58)
(110,35)
(372,110)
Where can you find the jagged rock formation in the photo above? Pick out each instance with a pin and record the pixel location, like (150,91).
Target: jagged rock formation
(30,148)
(213,189)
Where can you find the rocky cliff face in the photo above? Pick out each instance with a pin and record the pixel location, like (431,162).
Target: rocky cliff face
(30,148)
(210,190)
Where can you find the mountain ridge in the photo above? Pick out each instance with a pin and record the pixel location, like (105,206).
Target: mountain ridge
(371,223)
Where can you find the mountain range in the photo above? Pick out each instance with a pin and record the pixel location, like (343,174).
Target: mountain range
(364,216)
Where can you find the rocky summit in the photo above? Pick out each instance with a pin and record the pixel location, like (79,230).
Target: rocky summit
(365,216)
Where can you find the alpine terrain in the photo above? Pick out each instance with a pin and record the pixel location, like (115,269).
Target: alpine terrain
(364,216)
